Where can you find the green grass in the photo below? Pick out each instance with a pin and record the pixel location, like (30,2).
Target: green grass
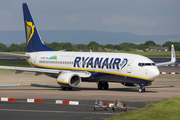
(14,62)
(164,110)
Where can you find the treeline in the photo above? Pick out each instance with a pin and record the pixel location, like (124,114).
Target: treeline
(92,46)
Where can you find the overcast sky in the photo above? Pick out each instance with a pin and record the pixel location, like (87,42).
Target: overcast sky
(142,17)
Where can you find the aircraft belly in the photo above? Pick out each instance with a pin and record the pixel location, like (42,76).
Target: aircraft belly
(116,78)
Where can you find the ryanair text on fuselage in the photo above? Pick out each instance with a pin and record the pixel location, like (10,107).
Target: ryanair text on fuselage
(100,62)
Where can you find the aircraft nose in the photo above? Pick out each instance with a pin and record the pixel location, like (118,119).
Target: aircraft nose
(154,72)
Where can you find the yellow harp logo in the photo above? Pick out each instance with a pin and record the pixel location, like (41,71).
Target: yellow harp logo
(29,30)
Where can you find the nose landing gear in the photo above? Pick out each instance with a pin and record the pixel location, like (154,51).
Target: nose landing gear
(142,89)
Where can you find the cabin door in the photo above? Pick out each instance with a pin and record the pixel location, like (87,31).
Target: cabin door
(129,66)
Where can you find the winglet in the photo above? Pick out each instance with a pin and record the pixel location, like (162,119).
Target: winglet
(173,56)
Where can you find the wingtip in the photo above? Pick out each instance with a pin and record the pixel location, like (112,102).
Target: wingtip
(173,56)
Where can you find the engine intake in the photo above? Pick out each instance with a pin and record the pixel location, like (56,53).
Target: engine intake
(69,79)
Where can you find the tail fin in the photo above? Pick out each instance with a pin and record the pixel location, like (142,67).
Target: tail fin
(33,40)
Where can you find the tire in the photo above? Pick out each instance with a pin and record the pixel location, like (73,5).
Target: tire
(140,90)
(63,88)
(106,86)
(69,88)
(100,85)
(144,90)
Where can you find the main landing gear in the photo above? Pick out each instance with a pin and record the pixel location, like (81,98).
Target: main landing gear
(103,85)
(66,88)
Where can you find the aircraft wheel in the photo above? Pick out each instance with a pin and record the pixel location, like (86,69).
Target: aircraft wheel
(63,88)
(69,88)
(106,85)
(144,90)
(100,85)
(141,89)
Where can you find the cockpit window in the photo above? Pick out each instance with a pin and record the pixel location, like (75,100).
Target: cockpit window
(153,64)
(146,64)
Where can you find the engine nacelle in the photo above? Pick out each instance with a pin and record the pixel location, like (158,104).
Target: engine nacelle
(128,84)
(69,79)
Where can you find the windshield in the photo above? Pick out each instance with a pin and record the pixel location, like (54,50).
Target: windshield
(146,64)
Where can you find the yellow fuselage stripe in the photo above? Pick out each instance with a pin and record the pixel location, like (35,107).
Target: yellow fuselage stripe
(82,69)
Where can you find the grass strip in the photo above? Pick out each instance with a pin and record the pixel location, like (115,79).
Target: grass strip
(164,110)
(14,62)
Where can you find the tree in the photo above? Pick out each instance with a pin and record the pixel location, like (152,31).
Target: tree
(3,47)
(109,46)
(150,43)
(81,46)
(93,45)
(117,47)
(54,46)
(23,47)
(142,47)
(14,48)
(67,46)
(169,43)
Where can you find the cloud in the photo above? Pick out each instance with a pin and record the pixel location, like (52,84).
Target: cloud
(134,20)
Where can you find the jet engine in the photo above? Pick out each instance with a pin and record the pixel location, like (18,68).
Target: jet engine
(69,79)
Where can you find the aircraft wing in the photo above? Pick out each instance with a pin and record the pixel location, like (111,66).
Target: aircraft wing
(82,74)
(26,69)
(8,85)
(173,58)
(18,55)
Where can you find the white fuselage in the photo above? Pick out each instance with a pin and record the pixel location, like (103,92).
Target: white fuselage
(102,66)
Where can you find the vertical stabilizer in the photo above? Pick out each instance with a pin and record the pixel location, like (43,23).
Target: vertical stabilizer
(33,40)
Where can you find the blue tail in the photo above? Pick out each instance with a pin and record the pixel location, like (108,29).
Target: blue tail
(33,40)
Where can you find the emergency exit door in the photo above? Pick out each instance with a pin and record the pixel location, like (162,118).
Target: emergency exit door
(129,67)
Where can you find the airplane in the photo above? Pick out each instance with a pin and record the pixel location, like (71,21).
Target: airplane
(70,69)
